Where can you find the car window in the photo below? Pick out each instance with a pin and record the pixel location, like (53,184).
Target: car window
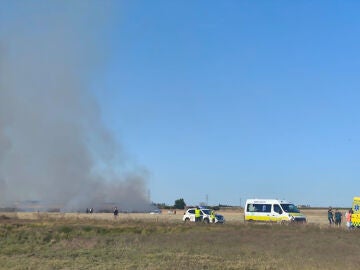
(191,211)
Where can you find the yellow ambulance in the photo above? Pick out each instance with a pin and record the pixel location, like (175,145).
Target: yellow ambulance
(355,217)
(272,210)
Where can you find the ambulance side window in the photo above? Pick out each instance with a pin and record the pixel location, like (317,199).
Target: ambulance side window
(259,207)
(266,208)
(251,208)
(277,209)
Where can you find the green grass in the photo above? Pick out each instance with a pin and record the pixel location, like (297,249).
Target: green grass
(97,244)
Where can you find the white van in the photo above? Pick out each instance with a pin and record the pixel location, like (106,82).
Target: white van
(271,210)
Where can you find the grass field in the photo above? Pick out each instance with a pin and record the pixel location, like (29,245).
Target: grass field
(144,241)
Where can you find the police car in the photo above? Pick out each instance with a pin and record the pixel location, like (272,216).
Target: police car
(189,216)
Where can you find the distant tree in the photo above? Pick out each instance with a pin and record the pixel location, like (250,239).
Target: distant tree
(180,204)
(160,205)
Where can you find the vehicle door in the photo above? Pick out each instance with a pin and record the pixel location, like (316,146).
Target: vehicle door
(262,212)
(258,212)
(205,214)
(276,213)
(191,214)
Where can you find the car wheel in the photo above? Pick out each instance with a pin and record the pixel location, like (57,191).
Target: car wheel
(187,220)
(206,220)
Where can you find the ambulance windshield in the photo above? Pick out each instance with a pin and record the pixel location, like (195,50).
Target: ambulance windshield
(290,208)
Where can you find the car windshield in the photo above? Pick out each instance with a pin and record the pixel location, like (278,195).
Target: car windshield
(290,208)
(206,211)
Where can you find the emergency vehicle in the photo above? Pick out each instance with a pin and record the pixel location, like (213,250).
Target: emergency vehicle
(272,210)
(355,217)
(189,216)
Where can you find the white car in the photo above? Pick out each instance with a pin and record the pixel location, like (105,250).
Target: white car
(189,215)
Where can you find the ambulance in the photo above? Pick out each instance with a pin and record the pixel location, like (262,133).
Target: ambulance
(272,210)
(355,217)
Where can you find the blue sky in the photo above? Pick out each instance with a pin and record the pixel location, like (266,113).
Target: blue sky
(236,99)
(239,99)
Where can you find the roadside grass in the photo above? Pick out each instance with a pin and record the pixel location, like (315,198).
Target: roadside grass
(73,243)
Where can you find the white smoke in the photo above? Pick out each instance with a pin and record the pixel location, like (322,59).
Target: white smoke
(53,144)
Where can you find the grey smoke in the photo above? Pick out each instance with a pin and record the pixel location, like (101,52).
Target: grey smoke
(53,144)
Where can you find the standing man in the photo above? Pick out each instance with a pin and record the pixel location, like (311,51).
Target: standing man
(116,212)
(197,214)
(212,216)
(338,216)
(330,216)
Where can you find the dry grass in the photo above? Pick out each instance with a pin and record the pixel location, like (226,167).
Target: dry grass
(317,216)
(144,241)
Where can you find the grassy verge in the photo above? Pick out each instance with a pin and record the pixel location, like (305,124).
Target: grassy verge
(101,244)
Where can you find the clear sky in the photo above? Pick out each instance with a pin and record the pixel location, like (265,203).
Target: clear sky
(228,100)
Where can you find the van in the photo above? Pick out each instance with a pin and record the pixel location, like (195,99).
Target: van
(355,217)
(272,210)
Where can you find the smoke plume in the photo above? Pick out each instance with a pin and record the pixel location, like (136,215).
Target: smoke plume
(53,144)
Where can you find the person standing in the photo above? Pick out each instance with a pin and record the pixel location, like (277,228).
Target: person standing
(197,214)
(330,216)
(348,219)
(212,216)
(116,212)
(338,217)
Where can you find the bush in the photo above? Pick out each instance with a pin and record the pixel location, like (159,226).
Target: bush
(180,204)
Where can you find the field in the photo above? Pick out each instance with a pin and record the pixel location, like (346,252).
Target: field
(162,241)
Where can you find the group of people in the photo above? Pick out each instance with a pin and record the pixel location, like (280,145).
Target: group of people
(199,217)
(335,218)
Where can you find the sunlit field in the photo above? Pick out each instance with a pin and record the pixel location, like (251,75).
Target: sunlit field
(163,241)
